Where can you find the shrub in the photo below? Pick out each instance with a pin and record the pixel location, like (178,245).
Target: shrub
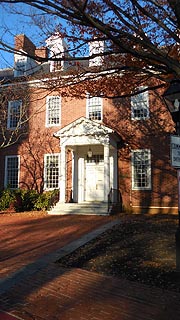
(7,198)
(42,203)
(54,198)
(28,200)
(46,200)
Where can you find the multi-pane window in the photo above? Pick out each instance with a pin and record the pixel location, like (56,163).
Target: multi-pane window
(141,169)
(20,67)
(55,65)
(14,114)
(96,48)
(51,173)
(12,172)
(53,110)
(140,105)
(94,108)
(96,158)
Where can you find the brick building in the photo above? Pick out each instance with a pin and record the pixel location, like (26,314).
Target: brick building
(84,146)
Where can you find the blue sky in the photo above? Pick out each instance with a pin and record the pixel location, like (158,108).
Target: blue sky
(12,24)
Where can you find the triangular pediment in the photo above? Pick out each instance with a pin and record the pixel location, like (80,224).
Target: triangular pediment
(83,127)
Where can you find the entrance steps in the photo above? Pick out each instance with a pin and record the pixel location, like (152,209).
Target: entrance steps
(94,208)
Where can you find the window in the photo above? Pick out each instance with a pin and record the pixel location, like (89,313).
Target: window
(94,108)
(20,67)
(96,158)
(51,171)
(140,105)
(53,109)
(14,114)
(96,48)
(12,172)
(141,169)
(55,65)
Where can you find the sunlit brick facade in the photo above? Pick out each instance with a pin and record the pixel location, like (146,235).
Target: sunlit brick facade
(129,142)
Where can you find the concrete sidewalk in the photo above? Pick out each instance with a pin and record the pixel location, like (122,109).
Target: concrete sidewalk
(41,290)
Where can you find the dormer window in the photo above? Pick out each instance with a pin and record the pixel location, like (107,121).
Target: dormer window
(57,49)
(20,66)
(24,66)
(96,48)
(55,65)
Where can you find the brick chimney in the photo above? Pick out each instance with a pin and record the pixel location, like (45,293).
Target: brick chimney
(23,43)
(42,52)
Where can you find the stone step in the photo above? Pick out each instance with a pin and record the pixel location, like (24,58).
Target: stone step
(77,208)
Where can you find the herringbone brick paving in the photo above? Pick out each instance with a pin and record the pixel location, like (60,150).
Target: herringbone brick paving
(54,293)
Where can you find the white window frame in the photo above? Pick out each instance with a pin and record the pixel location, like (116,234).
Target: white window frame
(147,172)
(20,66)
(56,65)
(6,177)
(140,104)
(96,48)
(12,113)
(46,182)
(93,102)
(49,122)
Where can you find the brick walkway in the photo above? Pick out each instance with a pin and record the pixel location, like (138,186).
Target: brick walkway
(45,291)
(27,237)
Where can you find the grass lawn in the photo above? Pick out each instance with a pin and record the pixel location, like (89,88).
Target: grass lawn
(141,248)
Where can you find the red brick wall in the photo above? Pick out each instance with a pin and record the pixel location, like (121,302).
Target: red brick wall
(23,43)
(153,134)
(150,134)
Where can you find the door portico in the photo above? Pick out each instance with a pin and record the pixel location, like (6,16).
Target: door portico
(92,176)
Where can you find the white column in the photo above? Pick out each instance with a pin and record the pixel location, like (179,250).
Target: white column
(75,176)
(106,172)
(115,169)
(81,180)
(62,182)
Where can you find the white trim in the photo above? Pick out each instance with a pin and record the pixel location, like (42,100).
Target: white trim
(46,155)
(41,83)
(132,169)
(5,173)
(62,177)
(146,104)
(48,98)
(81,179)
(88,97)
(11,105)
(20,64)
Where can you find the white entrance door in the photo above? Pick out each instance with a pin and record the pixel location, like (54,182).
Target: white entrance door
(94,181)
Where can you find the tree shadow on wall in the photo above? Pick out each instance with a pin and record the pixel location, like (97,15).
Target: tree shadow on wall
(152,133)
(32,158)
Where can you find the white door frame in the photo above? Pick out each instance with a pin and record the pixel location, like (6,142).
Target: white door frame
(83,133)
(94,181)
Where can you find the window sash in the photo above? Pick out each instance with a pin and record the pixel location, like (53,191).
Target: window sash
(140,105)
(53,105)
(51,173)
(12,167)
(94,108)
(141,169)
(14,114)
(96,158)
(21,67)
